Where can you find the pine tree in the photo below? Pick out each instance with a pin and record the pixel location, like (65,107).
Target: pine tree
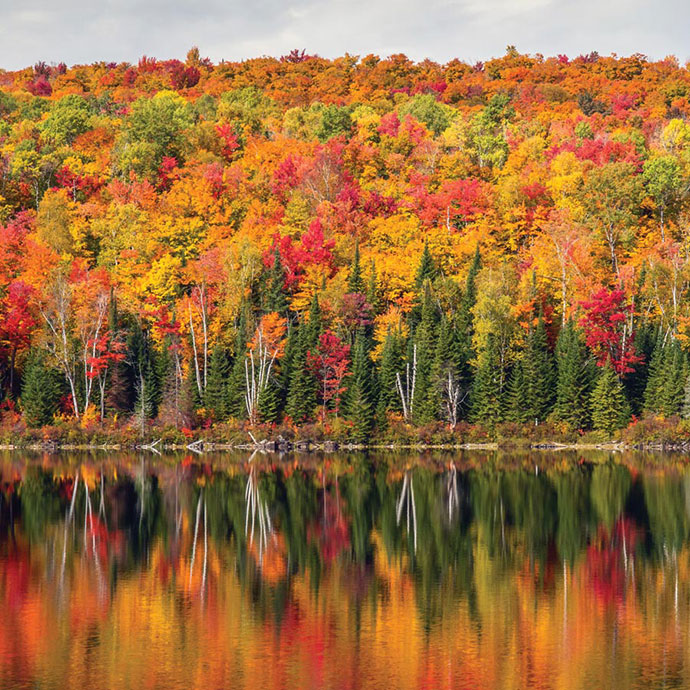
(517,393)
(303,386)
(359,405)
(573,379)
(674,372)
(464,330)
(41,390)
(373,296)
(144,372)
(391,364)
(487,401)
(216,393)
(236,383)
(425,408)
(442,366)
(355,281)
(635,381)
(685,410)
(427,270)
(654,377)
(609,407)
(275,297)
(270,401)
(539,375)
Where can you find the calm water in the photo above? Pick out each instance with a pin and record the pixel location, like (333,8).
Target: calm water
(382,572)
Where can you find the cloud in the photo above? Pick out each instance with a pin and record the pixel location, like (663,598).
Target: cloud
(75,31)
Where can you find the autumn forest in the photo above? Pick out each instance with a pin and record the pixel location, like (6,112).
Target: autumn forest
(361,249)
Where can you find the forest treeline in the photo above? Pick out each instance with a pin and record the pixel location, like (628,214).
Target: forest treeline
(359,245)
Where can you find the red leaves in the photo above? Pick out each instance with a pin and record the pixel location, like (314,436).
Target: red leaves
(313,249)
(86,184)
(17,320)
(229,142)
(329,363)
(182,77)
(606,330)
(107,352)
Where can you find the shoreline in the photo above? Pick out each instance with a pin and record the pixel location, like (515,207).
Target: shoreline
(281,447)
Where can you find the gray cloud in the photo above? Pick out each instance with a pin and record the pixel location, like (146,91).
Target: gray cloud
(75,31)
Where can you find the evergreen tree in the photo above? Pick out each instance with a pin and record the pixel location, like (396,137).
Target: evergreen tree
(373,297)
(355,281)
(635,381)
(236,384)
(674,372)
(464,331)
(685,410)
(303,385)
(574,378)
(517,394)
(609,407)
(144,372)
(391,365)
(270,401)
(359,404)
(41,390)
(539,375)
(442,366)
(425,408)
(488,397)
(275,296)
(216,393)
(655,372)
(427,270)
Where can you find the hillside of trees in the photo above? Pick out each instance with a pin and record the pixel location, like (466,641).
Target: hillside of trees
(353,246)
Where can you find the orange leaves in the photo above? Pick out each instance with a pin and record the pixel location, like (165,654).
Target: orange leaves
(270,334)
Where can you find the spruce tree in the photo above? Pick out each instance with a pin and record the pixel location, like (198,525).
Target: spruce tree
(488,397)
(144,373)
(303,385)
(609,406)
(517,394)
(359,405)
(391,365)
(373,297)
(236,383)
(216,393)
(355,281)
(655,372)
(685,410)
(41,390)
(573,379)
(539,374)
(270,401)
(427,270)
(635,381)
(464,329)
(674,372)
(275,295)
(443,366)
(425,408)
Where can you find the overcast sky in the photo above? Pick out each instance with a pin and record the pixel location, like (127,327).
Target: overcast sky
(76,31)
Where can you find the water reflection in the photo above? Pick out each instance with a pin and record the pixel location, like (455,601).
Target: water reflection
(344,572)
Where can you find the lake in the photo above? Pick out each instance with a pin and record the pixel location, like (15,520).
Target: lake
(472,570)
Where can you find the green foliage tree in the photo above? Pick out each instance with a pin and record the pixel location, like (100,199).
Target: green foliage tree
(608,405)
(41,390)
(573,386)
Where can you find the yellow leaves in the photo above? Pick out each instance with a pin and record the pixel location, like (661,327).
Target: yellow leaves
(565,181)
(312,280)
(398,230)
(163,279)
(54,220)
(392,321)
(270,334)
